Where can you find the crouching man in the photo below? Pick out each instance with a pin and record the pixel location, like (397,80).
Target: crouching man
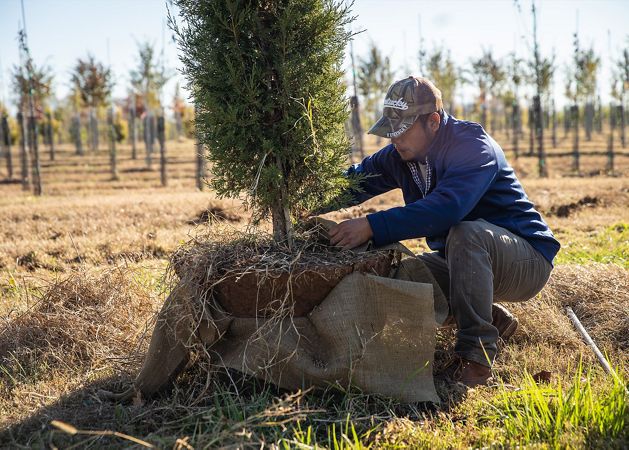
(489,243)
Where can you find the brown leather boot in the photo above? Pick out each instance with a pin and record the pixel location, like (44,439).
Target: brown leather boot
(471,373)
(504,321)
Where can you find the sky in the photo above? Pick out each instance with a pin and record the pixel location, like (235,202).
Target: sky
(60,31)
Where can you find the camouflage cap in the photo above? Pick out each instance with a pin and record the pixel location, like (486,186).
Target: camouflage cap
(405,101)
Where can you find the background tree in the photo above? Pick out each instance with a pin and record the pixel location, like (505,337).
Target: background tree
(92,81)
(619,89)
(7,138)
(582,81)
(442,71)
(510,97)
(40,81)
(149,76)
(374,78)
(148,80)
(33,86)
(267,82)
(488,76)
(546,68)
(179,107)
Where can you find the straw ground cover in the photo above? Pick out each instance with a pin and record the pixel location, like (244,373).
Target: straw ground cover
(81,277)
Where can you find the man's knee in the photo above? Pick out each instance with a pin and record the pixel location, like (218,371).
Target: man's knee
(467,232)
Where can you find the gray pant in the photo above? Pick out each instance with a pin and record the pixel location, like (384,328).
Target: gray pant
(484,263)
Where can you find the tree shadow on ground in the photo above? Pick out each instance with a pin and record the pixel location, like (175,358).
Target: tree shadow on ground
(81,408)
(235,402)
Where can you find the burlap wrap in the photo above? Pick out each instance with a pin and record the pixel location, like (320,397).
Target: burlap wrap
(374,333)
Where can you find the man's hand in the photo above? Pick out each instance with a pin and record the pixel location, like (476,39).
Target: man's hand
(351,233)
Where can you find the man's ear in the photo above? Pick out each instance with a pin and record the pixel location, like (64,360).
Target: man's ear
(434,121)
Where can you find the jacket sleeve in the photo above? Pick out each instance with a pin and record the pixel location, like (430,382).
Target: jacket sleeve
(376,171)
(471,167)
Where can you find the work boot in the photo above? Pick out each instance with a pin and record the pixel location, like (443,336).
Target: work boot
(504,321)
(469,373)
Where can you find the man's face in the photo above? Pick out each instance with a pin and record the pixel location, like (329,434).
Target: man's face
(412,145)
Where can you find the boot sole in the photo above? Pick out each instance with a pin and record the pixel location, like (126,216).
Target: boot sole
(510,330)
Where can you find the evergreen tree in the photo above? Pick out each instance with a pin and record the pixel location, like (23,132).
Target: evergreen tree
(267,82)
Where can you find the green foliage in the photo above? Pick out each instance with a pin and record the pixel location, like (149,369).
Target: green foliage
(546,69)
(582,75)
(149,76)
(443,73)
(514,78)
(92,82)
(620,76)
(267,82)
(41,79)
(487,73)
(374,78)
(121,128)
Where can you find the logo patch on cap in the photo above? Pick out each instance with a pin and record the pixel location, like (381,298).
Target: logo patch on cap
(402,129)
(396,104)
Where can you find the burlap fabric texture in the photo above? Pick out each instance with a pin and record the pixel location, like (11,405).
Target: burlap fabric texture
(374,333)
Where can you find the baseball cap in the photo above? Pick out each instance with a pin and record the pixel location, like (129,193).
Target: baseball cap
(405,101)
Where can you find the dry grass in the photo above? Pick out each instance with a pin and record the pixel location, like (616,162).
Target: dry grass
(82,272)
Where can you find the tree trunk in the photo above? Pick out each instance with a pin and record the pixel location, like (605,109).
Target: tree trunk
(113,157)
(6,132)
(147,141)
(51,137)
(178,125)
(610,141)
(599,116)
(162,150)
(516,128)
(357,129)
(133,134)
(93,127)
(24,160)
(553,129)
(539,128)
(76,127)
(200,160)
(531,131)
(282,224)
(621,115)
(34,148)
(589,120)
(507,121)
(575,145)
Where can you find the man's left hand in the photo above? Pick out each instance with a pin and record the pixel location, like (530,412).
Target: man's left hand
(351,233)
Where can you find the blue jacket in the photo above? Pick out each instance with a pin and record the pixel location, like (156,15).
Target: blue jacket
(470,180)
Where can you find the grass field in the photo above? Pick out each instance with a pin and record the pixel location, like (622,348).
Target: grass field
(82,275)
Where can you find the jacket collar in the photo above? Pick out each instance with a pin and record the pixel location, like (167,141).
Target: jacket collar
(439,140)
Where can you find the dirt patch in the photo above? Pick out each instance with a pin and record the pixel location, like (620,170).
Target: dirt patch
(32,261)
(567,209)
(214,214)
